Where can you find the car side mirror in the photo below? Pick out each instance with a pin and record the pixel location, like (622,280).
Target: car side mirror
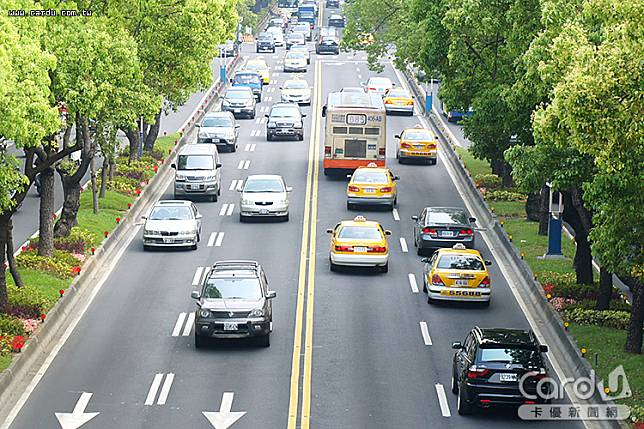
(266,116)
(363,83)
(396,178)
(387,232)
(198,216)
(144,217)
(472,220)
(329,231)
(425,260)
(349,176)
(195,294)
(393,84)
(289,189)
(271,294)
(173,165)
(197,125)
(237,126)
(231,81)
(543,348)
(304,115)
(414,218)
(456,345)
(488,263)
(397,136)
(218,165)
(324,111)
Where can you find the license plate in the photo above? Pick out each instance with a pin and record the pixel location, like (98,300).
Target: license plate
(464,293)
(369,191)
(263,211)
(359,249)
(447,234)
(168,240)
(215,140)
(237,110)
(508,377)
(461,282)
(419,146)
(230,326)
(188,186)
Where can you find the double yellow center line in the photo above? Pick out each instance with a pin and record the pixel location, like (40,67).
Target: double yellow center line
(306,282)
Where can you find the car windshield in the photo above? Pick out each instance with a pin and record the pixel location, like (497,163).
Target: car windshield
(296,55)
(195,162)
(398,92)
(505,355)
(246,78)
(295,84)
(418,135)
(369,177)
(446,218)
(360,233)
(171,213)
(352,89)
(220,121)
(266,37)
(284,112)
(235,288)
(256,66)
(304,27)
(380,81)
(329,42)
(460,262)
(296,37)
(264,185)
(238,95)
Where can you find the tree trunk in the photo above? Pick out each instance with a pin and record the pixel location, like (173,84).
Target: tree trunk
(71,205)
(533,207)
(46,241)
(502,169)
(636,322)
(17,279)
(583,261)
(153,133)
(544,210)
(4,227)
(135,144)
(605,289)
(106,166)
(92,169)
(576,215)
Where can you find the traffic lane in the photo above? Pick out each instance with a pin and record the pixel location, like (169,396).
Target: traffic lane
(366,359)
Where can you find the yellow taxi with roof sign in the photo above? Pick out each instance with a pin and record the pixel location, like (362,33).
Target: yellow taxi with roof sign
(398,100)
(359,243)
(259,65)
(417,143)
(457,274)
(372,185)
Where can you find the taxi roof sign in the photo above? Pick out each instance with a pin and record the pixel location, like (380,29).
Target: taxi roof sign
(459,246)
(372,165)
(359,219)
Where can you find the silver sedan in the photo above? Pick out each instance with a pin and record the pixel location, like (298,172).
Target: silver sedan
(172,223)
(264,195)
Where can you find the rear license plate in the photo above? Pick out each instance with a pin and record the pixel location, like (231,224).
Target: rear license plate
(359,249)
(369,191)
(237,110)
(447,234)
(215,140)
(263,211)
(230,326)
(508,377)
(168,240)
(461,282)
(419,146)
(464,293)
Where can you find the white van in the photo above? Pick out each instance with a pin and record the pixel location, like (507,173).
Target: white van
(197,172)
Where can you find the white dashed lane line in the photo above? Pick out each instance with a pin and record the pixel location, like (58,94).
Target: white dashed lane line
(243,164)
(442,400)
(180,325)
(412,282)
(424,330)
(226,209)
(254,133)
(262,120)
(403,245)
(250,147)
(154,388)
(269,99)
(258,120)
(216,238)
(233,185)
(395,214)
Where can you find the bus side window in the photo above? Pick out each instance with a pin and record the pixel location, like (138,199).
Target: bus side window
(324,111)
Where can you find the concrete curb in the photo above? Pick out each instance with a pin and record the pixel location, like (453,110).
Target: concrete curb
(17,375)
(563,347)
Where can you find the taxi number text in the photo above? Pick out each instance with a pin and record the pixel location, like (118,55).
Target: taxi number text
(460,293)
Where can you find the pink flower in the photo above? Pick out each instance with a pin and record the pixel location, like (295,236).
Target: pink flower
(79,256)
(30,325)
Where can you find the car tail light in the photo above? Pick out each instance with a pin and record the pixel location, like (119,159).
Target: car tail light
(354,189)
(386,189)
(344,248)
(529,402)
(431,146)
(485,282)
(475,372)
(327,150)
(486,401)
(388,101)
(405,145)
(437,281)
(430,231)
(371,89)
(410,102)
(376,249)
(466,231)
(381,151)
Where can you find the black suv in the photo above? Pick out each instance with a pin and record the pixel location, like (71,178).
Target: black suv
(265,43)
(327,45)
(333,3)
(490,364)
(234,302)
(285,120)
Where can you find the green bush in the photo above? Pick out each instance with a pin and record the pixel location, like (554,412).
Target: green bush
(60,264)
(590,304)
(28,301)
(637,413)
(606,318)
(10,325)
(123,184)
(505,195)
(78,234)
(487,180)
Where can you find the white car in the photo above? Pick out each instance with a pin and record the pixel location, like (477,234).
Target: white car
(264,195)
(378,85)
(303,49)
(278,35)
(296,91)
(294,62)
(172,223)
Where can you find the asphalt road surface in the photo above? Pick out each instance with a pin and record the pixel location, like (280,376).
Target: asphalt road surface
(347,349)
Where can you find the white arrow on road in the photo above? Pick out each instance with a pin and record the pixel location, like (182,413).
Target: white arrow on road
(78,417)
(224,418)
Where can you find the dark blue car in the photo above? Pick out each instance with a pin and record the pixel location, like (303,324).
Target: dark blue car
(251,79)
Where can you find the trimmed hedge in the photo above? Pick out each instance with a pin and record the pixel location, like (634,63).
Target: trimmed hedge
(607,318)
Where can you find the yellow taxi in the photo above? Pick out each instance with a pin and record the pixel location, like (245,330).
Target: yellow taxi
(456,274)
(359,243)
(259,65)
(417,143)
(372,185)
(398,100)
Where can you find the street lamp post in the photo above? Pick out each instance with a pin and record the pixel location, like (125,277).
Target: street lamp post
(141,137)
(555,210)
(429,95)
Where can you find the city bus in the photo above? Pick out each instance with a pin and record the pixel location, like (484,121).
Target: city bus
(355,131)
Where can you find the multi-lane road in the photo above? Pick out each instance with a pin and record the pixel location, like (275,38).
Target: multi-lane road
(348,350)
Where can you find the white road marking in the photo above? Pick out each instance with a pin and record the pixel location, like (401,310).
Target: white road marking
(395,213)
(189,324)
(154,388)
(264,109)
(403,245)
(359,76)
(233,185)
(253,145)
(275,74)
(258,121)
(222,211)
(240,165)
(247,148)
(269,99)
(165,390)
(442,400)
(240,184)
(213,237)
(197,277)
(220,238)
(231,207)
(224,418)
(262,120)
(177,326)
(424,330)
(246,164)
(78,417)
(412,282)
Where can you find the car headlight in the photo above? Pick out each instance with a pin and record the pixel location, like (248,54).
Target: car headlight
(204,313)
(188,232)
(297,125)
(179,177)
(225,102)
(207,178)
(246,202)
(258,312)
(282,202)
(151,232)
(249,103)
(272,125)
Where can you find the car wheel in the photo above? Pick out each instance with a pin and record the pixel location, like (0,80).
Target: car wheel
(454,383)
(486,303)
(434,161)
(286,217)
(392,206)
(462,406)
(213,198)
(420,251)
(401,161)
(146,247)
(269,138)
(333,267)
(219,191)
(385,268)
(430,300)
(259,98)
(242,218)
(199,341)
(301,137)
(252,116)
(233,148)
(193,247)
(264,340)
(424,283)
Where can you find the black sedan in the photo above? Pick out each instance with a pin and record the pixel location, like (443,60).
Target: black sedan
(437,227)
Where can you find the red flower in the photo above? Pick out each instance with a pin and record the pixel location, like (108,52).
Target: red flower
(548,288)
(76,270)
(17,343)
